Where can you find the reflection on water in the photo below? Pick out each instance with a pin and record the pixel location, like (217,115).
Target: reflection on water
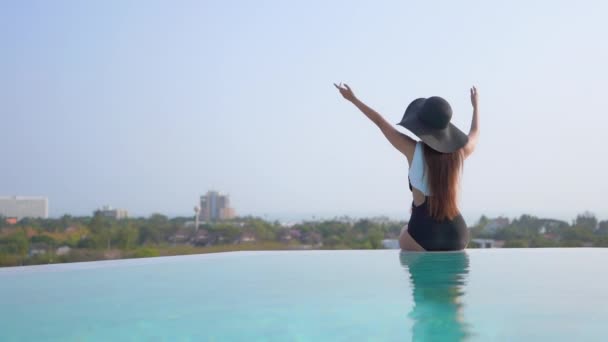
(438,282)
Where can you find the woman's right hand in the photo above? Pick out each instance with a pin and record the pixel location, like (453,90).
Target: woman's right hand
(346,92)
(474,98)
(474,132)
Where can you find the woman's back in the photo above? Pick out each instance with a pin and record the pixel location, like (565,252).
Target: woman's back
(435,177)
(435,230)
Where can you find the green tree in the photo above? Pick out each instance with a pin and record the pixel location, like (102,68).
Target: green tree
(229,232)
(146,252)
(149,234)
(65,221)
(516,243)
(577,235)
(18,244)
(332,241)
(603,228)
(483,220)
(374,238)
(127,237)
(262,230)
(542,242)
(363,226)
(158,220)
(586,220)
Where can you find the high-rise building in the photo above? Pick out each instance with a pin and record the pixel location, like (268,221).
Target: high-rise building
(20,207)
(115,213)
(215,206)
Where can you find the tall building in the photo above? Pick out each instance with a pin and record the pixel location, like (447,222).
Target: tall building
(20,207)
(215,206)
(115,213)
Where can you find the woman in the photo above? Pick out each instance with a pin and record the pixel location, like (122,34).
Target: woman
(435,166)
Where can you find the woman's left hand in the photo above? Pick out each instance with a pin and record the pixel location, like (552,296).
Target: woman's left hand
(346,92)
(474,98)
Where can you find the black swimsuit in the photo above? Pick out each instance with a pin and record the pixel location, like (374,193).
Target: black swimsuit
(434,235)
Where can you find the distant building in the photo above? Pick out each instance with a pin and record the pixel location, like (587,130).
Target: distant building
(488,243)
(21,207)
(115,213)
(215,206)
(390,244)
(551,236)
(63,250)
(247,237)
(286,235)
(181,235)
(38,248)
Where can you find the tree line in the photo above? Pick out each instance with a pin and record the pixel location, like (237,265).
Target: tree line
(530,231)
(70,238)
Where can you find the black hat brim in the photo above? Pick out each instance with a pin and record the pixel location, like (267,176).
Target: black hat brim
(446,140)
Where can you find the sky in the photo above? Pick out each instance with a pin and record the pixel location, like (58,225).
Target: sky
(146,105)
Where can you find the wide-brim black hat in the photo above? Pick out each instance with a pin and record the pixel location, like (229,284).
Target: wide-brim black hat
(429,119)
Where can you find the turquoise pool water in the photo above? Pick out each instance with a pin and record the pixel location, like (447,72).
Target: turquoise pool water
(481,295)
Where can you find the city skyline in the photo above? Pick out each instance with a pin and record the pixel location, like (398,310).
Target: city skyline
(145,106)
(120,213)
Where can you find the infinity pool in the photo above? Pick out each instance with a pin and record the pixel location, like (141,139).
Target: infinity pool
(482,295)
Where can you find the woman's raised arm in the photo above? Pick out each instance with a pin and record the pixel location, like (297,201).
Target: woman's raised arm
(474,132)
(400,141)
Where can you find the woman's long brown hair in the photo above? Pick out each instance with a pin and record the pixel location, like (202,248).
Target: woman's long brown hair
(443,177)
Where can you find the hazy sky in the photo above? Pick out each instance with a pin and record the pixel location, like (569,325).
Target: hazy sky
(148,104)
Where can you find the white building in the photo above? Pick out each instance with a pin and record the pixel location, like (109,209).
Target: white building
(21,207)
(115,213)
